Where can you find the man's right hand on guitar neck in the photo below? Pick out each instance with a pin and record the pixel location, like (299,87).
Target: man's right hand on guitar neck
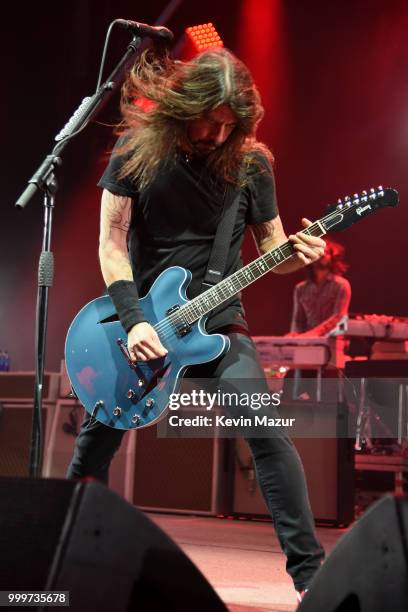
(144,343)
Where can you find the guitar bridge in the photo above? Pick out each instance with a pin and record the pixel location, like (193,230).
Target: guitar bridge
(178,322)
(123,349)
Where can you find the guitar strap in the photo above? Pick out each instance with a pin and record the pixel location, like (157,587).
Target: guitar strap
(222,241)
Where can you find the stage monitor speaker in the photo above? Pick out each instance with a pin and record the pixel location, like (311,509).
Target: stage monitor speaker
(328,463)
(184,475)
(367,570)
(65,421)
(59,535)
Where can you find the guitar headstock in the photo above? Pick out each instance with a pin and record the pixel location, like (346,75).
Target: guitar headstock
(350,210)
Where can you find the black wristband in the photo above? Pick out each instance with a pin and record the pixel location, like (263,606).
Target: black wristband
(125,298)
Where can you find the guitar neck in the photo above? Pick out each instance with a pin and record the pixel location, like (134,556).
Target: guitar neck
(230,286)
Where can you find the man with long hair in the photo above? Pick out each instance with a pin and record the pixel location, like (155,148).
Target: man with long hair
(189,130)
(323,298)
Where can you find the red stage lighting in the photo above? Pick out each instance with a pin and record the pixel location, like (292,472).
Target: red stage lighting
(204,36)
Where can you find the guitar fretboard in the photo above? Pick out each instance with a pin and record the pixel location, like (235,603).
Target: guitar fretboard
(230,286)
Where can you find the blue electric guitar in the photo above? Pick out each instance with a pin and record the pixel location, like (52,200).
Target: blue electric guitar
(127,395)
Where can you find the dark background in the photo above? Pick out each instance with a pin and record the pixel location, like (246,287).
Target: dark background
(333,76)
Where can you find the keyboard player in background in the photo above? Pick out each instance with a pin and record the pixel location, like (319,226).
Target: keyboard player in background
(324,297)
(319,302)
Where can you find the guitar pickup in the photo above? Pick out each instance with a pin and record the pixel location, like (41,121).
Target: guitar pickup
(178,322)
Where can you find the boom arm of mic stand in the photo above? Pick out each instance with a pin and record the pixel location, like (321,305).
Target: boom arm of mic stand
(88,109)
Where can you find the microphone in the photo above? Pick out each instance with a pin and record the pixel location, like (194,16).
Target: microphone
(158,33)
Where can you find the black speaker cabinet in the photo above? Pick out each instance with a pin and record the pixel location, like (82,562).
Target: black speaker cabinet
(15,436)
(181,474)
(380,385)
(19,386)
(65,419)
(59,535)
(328,463)
(379,368)
(367,571)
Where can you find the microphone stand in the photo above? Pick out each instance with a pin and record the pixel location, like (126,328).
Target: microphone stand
(45,179)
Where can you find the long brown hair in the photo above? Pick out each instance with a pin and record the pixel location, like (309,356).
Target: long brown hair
(160,97)
(336,263)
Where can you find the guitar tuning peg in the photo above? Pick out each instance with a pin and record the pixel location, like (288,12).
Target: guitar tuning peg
(339,204)
(346,199)
(380,188)
(372,190)
(355,196)
(364,193)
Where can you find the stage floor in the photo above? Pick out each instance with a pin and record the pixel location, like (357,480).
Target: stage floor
(241,559)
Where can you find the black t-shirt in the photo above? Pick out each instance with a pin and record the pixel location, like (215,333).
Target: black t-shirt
(175,219)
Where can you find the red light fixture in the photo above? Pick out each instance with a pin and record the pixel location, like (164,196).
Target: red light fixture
(204,36)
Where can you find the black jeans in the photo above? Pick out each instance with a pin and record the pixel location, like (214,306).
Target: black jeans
(278,466)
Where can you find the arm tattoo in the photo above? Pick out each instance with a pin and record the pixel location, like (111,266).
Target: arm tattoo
(119,214)
(263,231)
(268,234)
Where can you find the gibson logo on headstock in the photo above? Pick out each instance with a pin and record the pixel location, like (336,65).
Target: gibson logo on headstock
(361,209)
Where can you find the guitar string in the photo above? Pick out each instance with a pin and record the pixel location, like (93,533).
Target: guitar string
(161,326)
(168,324)
(166,327)
(190,306)
(193,309)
